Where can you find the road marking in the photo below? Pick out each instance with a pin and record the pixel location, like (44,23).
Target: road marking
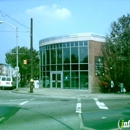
(23,103)
(101,105)
(2,118)
(17,100)
(78,108)
(104,117)
(31,99)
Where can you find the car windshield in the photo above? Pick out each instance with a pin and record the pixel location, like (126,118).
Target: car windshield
(8,79)
(3,78)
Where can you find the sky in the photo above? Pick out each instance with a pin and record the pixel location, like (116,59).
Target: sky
(55,18)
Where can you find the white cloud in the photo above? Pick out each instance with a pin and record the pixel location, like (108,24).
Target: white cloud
(53,11)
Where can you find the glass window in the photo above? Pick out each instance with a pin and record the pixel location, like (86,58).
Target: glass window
(74,55)
(60,45)
(64,44)
(72,43)
(53,56)
(59,56)
(66,79)
(66,67)
(83,54)
(43,68)
(48,79)
(74,80)
(76,43)
(84,80)
(42,54)
(59,67)
(74,66)
(66,55)
(43,58)
(48,67)
(58,76)
(85,43)
(8,79)
(48,56)
(81,43)
(43,73)
(68,44)
(57,45)
(49,46)
(53,76)
(53,67)
(43,48)
(83,66)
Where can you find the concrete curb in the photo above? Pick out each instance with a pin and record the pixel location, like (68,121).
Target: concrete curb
(64,93)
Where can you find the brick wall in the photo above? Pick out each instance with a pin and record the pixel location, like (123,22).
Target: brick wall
(94,50)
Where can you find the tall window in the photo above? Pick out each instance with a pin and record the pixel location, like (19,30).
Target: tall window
(48,56)
(74,55)
(53,56)
(59,56)
(83,55)
(66,55)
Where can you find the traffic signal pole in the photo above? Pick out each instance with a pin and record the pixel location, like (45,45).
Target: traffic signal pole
(31,56)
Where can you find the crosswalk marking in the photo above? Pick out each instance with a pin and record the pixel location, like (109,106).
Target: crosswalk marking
(23,103)
(101,105)
(78,106)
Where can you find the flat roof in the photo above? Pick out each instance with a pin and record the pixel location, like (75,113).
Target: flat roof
(71,38)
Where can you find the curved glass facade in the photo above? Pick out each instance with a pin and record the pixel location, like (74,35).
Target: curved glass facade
(64,65)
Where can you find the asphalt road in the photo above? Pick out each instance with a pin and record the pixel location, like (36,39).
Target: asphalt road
(105,114)
(31,112)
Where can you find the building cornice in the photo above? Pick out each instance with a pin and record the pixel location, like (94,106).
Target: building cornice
(72,38)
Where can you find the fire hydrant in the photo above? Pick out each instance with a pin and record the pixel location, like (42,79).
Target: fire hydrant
(31,85)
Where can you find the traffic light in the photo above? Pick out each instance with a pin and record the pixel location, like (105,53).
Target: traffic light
(25,62)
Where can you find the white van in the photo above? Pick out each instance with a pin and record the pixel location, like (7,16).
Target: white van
(6,81)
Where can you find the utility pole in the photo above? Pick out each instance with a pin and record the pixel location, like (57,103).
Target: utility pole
(31,56)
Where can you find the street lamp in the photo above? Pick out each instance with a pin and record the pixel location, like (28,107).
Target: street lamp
(16,68)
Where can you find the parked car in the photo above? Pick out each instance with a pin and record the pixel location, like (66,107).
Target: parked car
(6,82)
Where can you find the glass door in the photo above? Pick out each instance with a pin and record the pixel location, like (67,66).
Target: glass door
(56,79)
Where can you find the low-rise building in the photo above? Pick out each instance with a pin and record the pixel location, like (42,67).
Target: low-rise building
(6,70)
(72,61)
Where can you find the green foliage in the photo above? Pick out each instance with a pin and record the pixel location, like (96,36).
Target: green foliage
(116,51)
(24,70)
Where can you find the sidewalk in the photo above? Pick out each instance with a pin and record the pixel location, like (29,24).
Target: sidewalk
(69,93)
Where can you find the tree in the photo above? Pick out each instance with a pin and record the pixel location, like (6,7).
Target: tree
(24,70)
(116,51)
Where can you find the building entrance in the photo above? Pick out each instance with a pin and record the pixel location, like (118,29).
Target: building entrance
(56,79)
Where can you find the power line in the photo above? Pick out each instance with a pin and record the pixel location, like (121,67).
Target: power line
(14,31)
(5,15)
